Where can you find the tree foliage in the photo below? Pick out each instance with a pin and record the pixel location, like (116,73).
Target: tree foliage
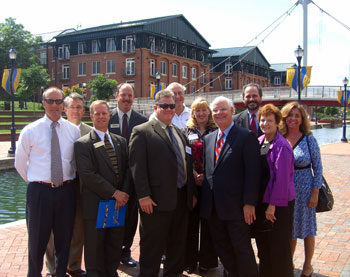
(75,88)
(102,87)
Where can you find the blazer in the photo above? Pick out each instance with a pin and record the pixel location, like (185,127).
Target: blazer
(154,168)
(135,119)
(235,179)
(84,129)
(242,120)
(96,171)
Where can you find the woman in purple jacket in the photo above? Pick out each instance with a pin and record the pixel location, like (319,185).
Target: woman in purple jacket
(273,226)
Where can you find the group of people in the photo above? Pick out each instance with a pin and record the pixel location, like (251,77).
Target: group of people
(203,182)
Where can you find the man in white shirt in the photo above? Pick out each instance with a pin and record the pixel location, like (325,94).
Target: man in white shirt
(182,113)
(45,160)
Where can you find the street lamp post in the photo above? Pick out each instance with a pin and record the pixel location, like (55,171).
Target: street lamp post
(299,54)
(345,82)
(158,79)
(12,150)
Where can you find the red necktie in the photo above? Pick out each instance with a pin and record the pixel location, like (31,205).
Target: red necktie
(252,125)
(218,147)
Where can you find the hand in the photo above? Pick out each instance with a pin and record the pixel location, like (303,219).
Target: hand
(194,201)
(249,213)
(120,198)
(199,179)
(270,213)
(313,198)
(146,205)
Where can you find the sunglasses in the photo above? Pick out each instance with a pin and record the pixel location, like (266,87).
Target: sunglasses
(166,106)
(51,101)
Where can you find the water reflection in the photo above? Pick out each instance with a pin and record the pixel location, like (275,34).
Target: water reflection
(13,196)
(327,135)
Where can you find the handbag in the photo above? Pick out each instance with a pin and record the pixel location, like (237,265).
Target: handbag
(325,197)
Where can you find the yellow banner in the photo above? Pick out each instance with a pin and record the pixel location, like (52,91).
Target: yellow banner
(15,81)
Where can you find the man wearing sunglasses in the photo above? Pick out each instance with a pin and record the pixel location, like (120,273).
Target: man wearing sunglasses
(45,160)
(161,167)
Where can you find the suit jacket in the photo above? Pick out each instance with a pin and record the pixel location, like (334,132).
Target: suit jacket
(242,120)
(135,119)
(235,179)
(154,168)
(96,171)
(84,129)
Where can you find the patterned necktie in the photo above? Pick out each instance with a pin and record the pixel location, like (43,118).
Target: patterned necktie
(180,161)
(218,146)
(56,159)
(111,154)
(125,125)
(252,125)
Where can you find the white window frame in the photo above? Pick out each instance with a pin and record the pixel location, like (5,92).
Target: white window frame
(81,48)
(128,45)
(110,45)
(277,81)
(96,68)
(43,57)
(65,71)
(110,67)
(228,68)
(163,68)
(174,50)
(82,69)
(130,67)
(184,71)
(194,73)
(163,45)
(184,51)
(63,52)
(174,70)
(94,47)
(228,83)
(202,77)
(152,67)
(153,45)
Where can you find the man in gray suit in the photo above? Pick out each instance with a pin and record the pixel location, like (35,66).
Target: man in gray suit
(74,109)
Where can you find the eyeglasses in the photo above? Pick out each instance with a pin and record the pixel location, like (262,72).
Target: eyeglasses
(51,101)
(166,106)
(75,108)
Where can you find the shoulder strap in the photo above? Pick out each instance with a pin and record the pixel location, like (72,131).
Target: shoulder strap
(308,147)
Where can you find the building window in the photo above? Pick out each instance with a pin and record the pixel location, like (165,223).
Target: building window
(43,57)
(228,83)
(110,45)
(152,68)
(96,68)
(65,71)
(163,68)
(94,47)
(193,89)
(277,81)
(194,73)
(53,73)
(82,69)
(174,48)
(130,67)
(202,78)
(228,68)
(184,71)
(152,44)
(81,48)
(184,51)
(194,54)
(211,83)
(163,45)
(174,67)
(63,52)
(110,66)
(128,45)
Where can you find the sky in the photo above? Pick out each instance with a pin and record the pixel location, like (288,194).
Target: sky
(223,23)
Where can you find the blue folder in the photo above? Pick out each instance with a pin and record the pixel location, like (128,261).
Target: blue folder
(108,216)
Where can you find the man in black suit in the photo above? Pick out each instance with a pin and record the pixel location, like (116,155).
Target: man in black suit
(230,189)
(123,120)
(252,98)
(161,167)
(102,162)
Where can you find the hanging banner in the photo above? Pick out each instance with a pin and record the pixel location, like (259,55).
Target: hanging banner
(154,90)
(15,79)
(292,79)
(341,97)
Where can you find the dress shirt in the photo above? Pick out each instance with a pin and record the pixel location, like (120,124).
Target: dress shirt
(178,120)
(33,153)
(280,188)
(256,120)
(121,115)
(101,135)
(226,132)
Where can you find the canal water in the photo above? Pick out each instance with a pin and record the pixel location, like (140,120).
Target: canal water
(13,188)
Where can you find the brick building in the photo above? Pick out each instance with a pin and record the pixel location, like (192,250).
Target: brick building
(131,52)
(232,68)
(278,74)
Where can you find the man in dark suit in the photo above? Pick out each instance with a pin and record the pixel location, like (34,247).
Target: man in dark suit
(161,167)
(252,98)
(123,120)
(102,162)
(230,189)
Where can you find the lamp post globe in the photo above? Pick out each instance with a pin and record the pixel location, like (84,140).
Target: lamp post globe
(158,80)
(299,52)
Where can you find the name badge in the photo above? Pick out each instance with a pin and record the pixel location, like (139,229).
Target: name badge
(115,125)
(193,137)
(98,144)
(188,150)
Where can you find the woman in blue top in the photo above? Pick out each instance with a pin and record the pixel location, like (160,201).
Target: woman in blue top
(295,127)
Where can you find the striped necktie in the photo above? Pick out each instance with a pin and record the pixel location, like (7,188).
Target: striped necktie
(252,125)
(56,159)
(218,146)
(112,155)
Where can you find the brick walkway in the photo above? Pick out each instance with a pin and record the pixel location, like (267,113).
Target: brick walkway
(332,252)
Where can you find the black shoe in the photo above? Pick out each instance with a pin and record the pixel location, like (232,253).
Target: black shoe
(191,269)
(76,273)
(128,261)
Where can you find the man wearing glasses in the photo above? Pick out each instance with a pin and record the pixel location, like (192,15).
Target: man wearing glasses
(161,167)
(74,109)
(45,160)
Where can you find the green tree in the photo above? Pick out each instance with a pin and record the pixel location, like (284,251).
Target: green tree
(75,88)
(14,35)
(102,87)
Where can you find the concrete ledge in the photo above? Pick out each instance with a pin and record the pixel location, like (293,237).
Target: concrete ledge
(7,163)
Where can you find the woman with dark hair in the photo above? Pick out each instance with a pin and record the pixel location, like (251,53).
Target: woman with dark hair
(295,127)
(200,124)
(273,226)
